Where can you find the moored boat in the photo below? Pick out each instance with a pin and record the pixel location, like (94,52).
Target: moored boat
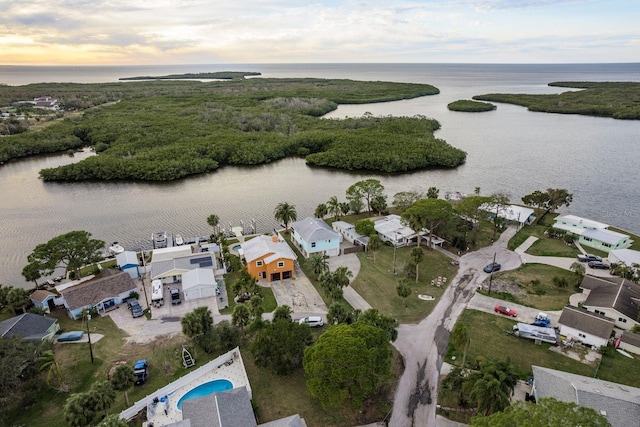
(116,248)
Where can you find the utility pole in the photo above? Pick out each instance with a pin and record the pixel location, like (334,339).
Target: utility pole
(491,275)
(89,335)
(395,243)
(144,288)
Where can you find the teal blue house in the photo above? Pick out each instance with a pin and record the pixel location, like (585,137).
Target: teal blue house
(313,235)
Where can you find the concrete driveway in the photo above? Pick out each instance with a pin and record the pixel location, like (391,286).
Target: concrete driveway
(524,314)
(352,262)
(299,294)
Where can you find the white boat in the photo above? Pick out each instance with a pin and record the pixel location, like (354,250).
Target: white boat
(179,241)
(116,248)
(159,239)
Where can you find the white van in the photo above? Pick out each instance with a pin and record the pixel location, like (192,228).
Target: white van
(312,321)
(157,293)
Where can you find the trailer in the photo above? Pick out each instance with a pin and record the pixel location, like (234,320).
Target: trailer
(537,333)
(157,293)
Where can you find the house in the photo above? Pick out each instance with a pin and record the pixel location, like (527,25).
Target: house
(199,283)
(620,404)
(585,326)
(44,300)
(102,292)
(628,257)
(629,341)
(348,233)
(46,103)
(592,233)
(313,235)
(128,261)
(613,297)
(515,213)
(269,258)
(31,327)
(392,230)
(169,264)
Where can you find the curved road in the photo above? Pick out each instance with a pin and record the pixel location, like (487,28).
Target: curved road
(424,345)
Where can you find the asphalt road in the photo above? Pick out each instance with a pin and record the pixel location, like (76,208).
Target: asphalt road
(424,345)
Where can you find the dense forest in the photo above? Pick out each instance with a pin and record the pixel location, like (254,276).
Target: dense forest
(165,130)
(619,100)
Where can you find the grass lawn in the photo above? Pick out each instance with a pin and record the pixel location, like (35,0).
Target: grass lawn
(636,239)
(489,342)
(547,246)
(545,295)
(620,369)
(376,282)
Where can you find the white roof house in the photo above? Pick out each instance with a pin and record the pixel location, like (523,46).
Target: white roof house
(164,254)
(592,233)
(514,213)
(627,256)
(260,245)
(576,224)
(199,283)
(391,229)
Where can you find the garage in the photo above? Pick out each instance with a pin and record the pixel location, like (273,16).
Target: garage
(275,276)
(287,274)
(198,283)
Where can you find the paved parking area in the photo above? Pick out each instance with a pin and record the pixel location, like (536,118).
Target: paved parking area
(299,294)
(524,314)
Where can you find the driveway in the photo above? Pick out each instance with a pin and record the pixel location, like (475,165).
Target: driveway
(299,294)
(352,262)
(525,314)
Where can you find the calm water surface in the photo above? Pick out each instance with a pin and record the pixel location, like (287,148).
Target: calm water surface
(509,150)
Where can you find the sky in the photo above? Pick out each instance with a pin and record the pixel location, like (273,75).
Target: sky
(118,32)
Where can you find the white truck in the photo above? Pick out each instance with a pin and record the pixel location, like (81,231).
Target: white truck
(536,333)
(157,293)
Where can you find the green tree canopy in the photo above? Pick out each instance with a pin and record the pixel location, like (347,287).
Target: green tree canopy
(546,412)
(365,227)
(469,208)
(404,199)
(333,207)
(428,213)
(197,322)
(17,298)
(18,365)
(374,318)
(491,387)
(79,409)
(347,364)
(280,345)
(71,251)
(123,379)
(367,189)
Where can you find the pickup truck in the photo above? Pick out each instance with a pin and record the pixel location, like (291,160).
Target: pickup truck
(141,371)
(588,257)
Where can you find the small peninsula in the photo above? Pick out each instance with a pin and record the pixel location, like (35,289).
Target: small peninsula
(219,75)
(618,100)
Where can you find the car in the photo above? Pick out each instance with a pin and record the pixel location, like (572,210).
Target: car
(175,296)
(598,264)
(136,310)
(490,268)
(505,310)
(312,321)
(141,371)
(588,257)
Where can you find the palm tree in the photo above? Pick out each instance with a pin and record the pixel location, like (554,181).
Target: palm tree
(403,290)
(47,362)
(341,276)
(345,208)
(374,245)
(240,317)
(122,380)
(417,256)
(213,220)
(79,409)
(104,395)
(255,306)
(285,213)
(17,298)
(491,387)
(321,211)
(461,339)
(578,269)
(333,207)
(282,312)
(113,420)
(318,263)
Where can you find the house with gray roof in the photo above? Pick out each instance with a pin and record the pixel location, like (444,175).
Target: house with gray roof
(620,404)
(103,292)
(43,299)
(592,233)
(31,327)
(629,341)
(349,233)
(313,235)
(172,269)
(614,297)
(585,326)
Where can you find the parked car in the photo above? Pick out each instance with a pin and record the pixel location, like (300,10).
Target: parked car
(598,264)
(505,310)
(312,321)
(490,268)
(141,371)
(589,257)
(136,310)
(131,302)
(175,296)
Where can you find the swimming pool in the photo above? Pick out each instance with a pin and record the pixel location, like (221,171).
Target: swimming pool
(236,247)
(205,390)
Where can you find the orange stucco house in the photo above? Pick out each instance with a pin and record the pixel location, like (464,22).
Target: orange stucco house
(268,258)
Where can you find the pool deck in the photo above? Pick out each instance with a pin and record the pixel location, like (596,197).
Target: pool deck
(228,366)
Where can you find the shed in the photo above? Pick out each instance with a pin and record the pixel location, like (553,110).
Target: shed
(630,342)
(198,283)
(43,299)
(128,261)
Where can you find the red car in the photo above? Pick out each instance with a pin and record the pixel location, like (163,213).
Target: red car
(505,310)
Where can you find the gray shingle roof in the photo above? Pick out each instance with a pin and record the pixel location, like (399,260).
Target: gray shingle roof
(620,403)
(230,408)
(592,282)
(41,295)
(31,327)
(621,296)
(586,321)
(630,338)
(314,230)
(292,421)
(189,262)
(111,284)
